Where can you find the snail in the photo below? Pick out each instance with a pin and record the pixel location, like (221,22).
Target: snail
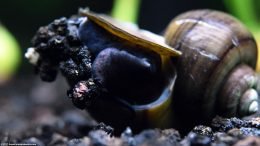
(139,88)
(203,66)
(205,38)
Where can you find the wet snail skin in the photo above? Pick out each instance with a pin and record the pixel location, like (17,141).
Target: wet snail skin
(204,66)
(135,70)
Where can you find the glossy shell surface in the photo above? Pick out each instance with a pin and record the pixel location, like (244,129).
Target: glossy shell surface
(213,43)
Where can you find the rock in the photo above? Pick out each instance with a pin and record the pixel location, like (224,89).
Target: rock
(249,141)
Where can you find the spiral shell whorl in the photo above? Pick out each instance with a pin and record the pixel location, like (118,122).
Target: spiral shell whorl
(238,92)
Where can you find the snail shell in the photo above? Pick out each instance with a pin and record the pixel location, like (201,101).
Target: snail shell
(214,73)
(122,113)
(216,70)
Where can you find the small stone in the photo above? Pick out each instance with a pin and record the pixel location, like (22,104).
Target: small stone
(58,139)
(255,122)
(250,131)
(235,132)
(108,129)
(237,122)
(33,141)
(222,124)
(194,139)
(203,130)
(249,141)
(154,138)
(172,135)
(74,142)
(221,137)
(85,141)
(127,137)
(101,138)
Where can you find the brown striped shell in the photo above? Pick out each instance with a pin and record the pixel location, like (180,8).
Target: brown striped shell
(217,64)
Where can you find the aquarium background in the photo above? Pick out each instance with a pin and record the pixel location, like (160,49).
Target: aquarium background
(29,105)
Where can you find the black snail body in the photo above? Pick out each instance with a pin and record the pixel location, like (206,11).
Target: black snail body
(134,68)
(132,73)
